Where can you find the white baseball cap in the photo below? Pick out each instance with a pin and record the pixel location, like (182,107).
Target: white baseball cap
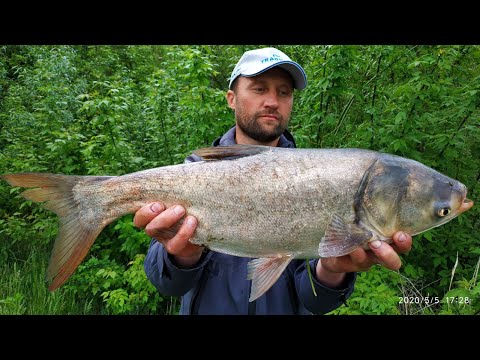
(255,62)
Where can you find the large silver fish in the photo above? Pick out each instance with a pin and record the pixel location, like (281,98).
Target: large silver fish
(273,204)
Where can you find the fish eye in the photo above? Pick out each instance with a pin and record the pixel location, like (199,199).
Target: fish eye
(443,212)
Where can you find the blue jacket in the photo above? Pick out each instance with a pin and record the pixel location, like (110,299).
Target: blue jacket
(219,285)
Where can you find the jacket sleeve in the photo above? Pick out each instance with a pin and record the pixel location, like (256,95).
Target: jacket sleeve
(327,299)
(166,276)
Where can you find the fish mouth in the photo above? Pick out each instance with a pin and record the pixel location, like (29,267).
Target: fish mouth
(466,205)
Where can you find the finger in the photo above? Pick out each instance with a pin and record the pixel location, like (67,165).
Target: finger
(373,258)
(178,243)
(164,220)
(386,255)
(362,259)
(359,256)
(402,242)
(146,214)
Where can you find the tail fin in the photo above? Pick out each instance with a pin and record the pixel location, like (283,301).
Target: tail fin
(77,232)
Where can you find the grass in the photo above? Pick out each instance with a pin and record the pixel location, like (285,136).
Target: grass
(23,291)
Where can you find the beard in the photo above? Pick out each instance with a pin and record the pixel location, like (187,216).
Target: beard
(250,126)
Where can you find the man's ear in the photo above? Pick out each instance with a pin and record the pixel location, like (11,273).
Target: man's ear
(230,96)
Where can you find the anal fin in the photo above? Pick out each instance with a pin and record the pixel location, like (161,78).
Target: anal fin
(341,239)
(264,272)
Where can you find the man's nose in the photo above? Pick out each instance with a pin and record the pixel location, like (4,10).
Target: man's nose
(271,100)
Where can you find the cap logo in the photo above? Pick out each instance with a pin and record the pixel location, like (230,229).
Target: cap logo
(274,57)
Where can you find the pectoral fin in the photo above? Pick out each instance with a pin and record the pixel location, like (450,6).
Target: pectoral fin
(264,272)
(341,239)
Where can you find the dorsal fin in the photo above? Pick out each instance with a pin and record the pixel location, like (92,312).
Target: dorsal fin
(230,152)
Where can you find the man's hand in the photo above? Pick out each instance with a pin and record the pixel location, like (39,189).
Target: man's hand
(331,271)
(168,227)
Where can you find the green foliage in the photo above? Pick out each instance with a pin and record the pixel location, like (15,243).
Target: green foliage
(133,241)
(137,295)
(464,299)
(374,294)
(116,289)
(111,110)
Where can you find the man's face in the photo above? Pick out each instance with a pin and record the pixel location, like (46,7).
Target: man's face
(263,104)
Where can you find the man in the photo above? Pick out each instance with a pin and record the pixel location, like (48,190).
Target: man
(261,95)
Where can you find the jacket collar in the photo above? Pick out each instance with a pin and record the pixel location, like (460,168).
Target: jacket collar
(286,139)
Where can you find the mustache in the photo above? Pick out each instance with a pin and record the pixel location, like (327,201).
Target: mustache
(270,113)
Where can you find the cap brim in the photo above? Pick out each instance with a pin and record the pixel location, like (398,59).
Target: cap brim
(295,70)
